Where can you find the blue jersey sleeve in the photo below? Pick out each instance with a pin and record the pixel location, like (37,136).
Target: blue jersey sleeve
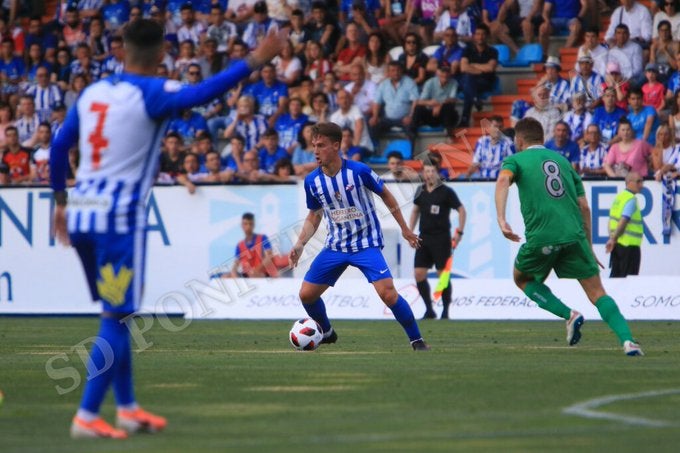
(237,252)
(169,97)
(312,203)
(62,142)
(371,180)
(266,245)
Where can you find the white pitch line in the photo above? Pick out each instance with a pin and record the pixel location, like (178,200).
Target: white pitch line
(586,408)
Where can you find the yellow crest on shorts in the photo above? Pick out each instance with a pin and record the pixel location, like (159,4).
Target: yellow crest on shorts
(112,286)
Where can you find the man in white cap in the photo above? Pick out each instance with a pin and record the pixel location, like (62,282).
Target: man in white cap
(559,87)
(587,81)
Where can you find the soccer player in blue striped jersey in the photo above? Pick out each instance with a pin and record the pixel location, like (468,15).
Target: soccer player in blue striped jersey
(342,191)
(118,123)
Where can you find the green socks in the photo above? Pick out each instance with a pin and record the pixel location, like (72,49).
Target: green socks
(612,316)
(545,299)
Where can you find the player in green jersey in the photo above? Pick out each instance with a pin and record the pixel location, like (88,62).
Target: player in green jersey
(557,227)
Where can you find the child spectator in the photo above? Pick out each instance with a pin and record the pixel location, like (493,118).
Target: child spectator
(653,90)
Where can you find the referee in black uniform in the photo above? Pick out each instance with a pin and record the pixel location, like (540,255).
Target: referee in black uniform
(433,203)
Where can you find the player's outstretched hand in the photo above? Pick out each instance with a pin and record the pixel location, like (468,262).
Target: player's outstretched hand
(507,231)
(59,229)
(411,237)
(294,255)
(269,47)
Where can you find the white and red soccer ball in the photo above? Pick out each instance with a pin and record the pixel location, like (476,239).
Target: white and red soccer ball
(306,335)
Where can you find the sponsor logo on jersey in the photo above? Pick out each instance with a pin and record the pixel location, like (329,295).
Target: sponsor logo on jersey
(346,214)
(113,286)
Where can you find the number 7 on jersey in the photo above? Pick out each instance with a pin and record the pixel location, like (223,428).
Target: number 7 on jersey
(96,138)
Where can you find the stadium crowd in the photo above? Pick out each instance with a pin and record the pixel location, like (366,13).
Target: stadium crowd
(370,66)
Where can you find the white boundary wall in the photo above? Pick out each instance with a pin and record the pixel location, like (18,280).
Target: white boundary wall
(191,236)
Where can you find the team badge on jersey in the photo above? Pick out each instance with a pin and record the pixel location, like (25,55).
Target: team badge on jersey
(338,196)
(434,209)
(349,187)
(113,286)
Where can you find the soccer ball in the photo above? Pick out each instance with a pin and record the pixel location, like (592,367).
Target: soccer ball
(306,335)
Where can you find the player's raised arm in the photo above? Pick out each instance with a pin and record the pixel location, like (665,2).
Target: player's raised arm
(393,206)
(309,227)
(502,188)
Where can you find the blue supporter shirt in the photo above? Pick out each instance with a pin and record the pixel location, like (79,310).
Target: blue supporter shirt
(116,14)
(565,9)
(267,160)
(570,150)
(448,56)
(267,97)
(190,127)
(638,120)
(13,69)
(608,122)
(492,7)
(289,128)
(347,202)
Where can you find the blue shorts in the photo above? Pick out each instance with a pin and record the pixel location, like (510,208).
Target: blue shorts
(114,268)
(329,265)
(560,25)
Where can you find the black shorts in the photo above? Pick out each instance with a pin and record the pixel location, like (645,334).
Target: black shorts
(624,261)
(434,250)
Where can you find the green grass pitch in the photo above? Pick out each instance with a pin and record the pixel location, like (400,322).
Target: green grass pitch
(239,386)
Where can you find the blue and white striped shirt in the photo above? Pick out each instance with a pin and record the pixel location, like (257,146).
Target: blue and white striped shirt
(347,202)
(45,99)
(578,122)
(593,159)
(252,131)
(591,86)
(559,92)
(489,156)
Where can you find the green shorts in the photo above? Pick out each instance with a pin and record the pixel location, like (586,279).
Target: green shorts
(572,260)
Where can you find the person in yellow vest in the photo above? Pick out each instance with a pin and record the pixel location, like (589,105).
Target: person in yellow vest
(625,229)
(254,253)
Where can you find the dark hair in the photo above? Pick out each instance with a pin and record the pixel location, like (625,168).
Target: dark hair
(530,130)
(397,64)
(592,29)
(239,138)
(11,128)
(416,37)
(143,42)
(301,137)
(619,27)
(319,94)
(45,124)
(271,132)
(329,130)
(565,124)
(396,154)
(484,27)
(625,120)
(248,216)
(284,163)
(297,12)
(664,22)
(382,51)
(173,134)
(637,91)
(496,118)
(186,6)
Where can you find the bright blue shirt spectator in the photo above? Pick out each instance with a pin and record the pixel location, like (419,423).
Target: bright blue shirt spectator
(267,97)
(116,14)
(289,128)
(569,150)
(268,160)
(638,120)
(608,122)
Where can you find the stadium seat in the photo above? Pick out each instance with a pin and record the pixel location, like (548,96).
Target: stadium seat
(528,54)
(430,50)
(503,54)
(400,145)
(395,52)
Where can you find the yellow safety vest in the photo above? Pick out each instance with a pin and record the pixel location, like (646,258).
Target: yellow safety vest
(632,235)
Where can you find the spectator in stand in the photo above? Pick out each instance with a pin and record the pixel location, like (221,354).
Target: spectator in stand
(348,116)
(259,26)
(240,12)
(6,121)
(284,171)
(247,123)
(425,12)
(323,28)
(271,152)
(12,69)
(393,22)
(665,155)
(376,58)
(673,82)
(664,51)
(27,121)
(626,53)
(251,173)
(191,172)
(271,95)
(495,16)
(637,19)
(560,88)
(188,125)
(78,84)
(490,150)
(191,28)
(222,31)
(593,48)
(58,117)
(607,117)
(211,61)
(318,113)
(303,159)
(84,64)
(45,94)
(614,80)
(115,63)
(61,72)
(363,13)
(171,158)
(289,125)
(591,162)
(363,91)
(232,154)
(98,39)
(40,157)
(73,31)
(115,14)
(562,16)
(628,154)
(413,59)
(449,53)
(587,82)
(437,104)
(544,112)
(214,172)
(578,118)
(35,60)
(455,17)
(673,118)
(653,90)
(669,13)
(642,119)
(187,57)
(87,9)
(398,172)
(317,65)
(353,53)
(299,33)
(288,66)
(531,21)
(16,158)
(38,35)
(253,255)
(562,143)
(398,95)
(348,150)
(478,67)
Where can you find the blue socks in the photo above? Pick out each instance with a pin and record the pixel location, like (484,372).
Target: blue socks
(403,313)
(317,311)
(110,362)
